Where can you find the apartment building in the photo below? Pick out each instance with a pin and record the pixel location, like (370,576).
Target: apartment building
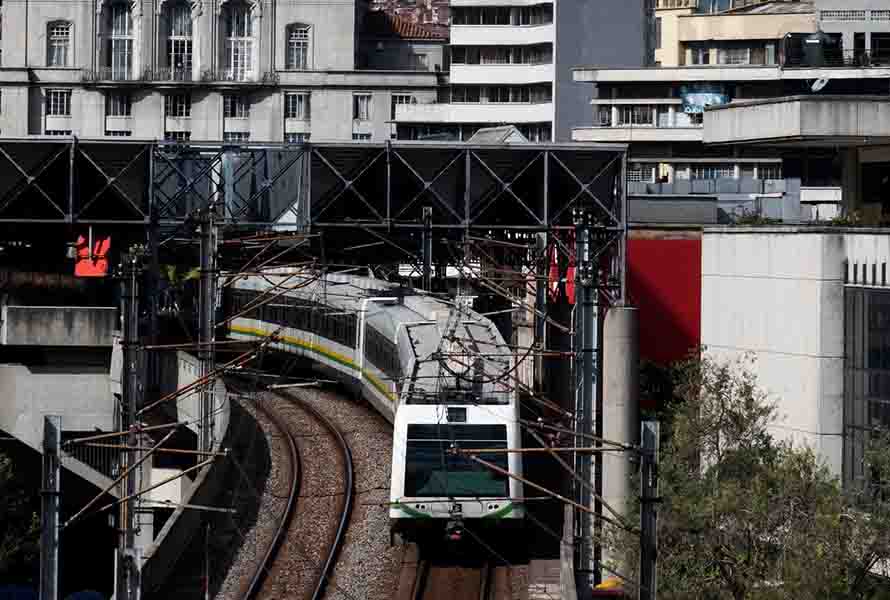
(511,60)
(860,27)
(217,70)
(739,55)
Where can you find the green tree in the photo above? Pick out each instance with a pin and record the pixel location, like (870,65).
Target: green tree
(745,515)
(19,526)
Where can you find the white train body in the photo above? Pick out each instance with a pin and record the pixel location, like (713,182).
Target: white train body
(442,375)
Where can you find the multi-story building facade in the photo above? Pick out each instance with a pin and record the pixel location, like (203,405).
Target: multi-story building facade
(511,60)
(715,58)
(232,70)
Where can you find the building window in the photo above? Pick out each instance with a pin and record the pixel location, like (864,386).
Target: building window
(58,103)
(635,115)
(118,133)
(398,99)
(58,132)
(769,171)
(296,138)
(239,42)
(361,137)
(641,172)
(467,94)
(177,136)
(120,43)
(717,171)
(236,136)
(118,104)
(178,105)
(296,106)
(236,106)
(58,44)
(361,107)
(179,41)
(298,48)
(699,54)
(733,56)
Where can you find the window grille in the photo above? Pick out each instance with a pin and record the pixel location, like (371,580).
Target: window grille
(121,41)
(236,106)
(58,44)
(178,105)
(361,107)
(118,105)
(58,103)
(298,49)
(239,42)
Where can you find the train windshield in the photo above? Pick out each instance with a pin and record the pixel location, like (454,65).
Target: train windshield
(432,471)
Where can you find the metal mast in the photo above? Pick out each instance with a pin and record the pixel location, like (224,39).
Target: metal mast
(49,534)
(127,584)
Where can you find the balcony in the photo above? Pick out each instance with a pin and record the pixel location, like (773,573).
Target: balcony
(490,35)
(674,4)
(241,77)
(106,74)
(173,75)
(494,112)
(637,133)
(503,74)
(855,59)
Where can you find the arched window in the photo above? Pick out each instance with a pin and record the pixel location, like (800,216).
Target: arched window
(299,47)
(120,40)
(58,44)
(178,22)
(238,30)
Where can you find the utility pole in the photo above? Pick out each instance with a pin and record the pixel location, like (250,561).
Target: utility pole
(207,323)
(586,376)
(49,531)
(427,248)
(648,512)
(127,585)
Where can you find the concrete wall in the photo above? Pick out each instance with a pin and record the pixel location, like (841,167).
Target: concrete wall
(58,325)
(667,49)
(799,117)
(181,369)
(779,293)
(607,33)
(706,28)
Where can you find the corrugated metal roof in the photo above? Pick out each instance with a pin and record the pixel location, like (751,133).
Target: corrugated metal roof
(504,134)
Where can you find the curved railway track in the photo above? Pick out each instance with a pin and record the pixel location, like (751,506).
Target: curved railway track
(301,555)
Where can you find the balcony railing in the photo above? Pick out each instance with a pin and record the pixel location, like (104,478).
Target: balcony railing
(665,4)
(230,75)
(104,74)
(110,74)
(169,74)
(839,58)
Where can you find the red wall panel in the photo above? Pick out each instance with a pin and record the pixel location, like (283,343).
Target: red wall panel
(664,282)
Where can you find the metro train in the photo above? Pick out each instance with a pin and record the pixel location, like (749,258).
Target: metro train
(439,372)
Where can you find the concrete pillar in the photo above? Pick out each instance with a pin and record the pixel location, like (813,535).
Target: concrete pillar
(621,421)
(851,179)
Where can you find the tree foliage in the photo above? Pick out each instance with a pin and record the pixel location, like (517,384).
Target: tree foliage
(745,515)
(19,527)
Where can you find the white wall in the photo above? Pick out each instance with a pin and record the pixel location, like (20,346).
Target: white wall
(780,296)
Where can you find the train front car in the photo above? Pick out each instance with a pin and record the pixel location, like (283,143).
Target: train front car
(458,394)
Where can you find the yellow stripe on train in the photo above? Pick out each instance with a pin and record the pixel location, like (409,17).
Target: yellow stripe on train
(319,349)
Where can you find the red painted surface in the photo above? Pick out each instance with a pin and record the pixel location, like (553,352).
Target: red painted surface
(664,282)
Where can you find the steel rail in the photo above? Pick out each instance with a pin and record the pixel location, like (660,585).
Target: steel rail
(348,489)
(259,576)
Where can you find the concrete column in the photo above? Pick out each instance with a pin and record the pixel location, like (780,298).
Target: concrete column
(851,180)
(621,421)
